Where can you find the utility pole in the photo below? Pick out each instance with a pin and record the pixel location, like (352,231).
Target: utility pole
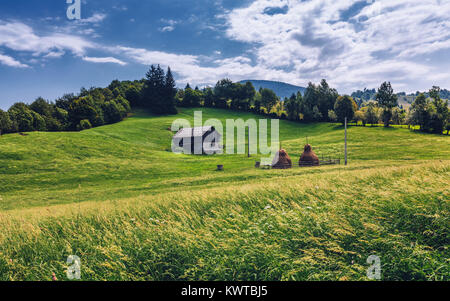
(345,151)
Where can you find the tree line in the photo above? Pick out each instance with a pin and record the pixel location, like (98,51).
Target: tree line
(95,106)
(314,105)
(158,94)
(321,103)
(73,112)
(428,112)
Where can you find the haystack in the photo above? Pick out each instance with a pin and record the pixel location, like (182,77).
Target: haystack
(282,160)
(309,158)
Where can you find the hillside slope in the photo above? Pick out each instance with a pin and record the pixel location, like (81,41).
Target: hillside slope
(133,157)
(131,210)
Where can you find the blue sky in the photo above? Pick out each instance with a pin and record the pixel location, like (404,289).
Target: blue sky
(353,44)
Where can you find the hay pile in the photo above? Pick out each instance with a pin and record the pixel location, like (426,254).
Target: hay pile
(309,158)
(283,162)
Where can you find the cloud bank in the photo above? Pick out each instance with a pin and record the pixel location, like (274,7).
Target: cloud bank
(353,44)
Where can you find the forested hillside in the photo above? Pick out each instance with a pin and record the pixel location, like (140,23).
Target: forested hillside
(281,89)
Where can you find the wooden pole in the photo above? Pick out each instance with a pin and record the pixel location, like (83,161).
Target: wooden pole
(345,151)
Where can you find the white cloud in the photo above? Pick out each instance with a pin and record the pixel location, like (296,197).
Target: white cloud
(148,57)
(120,7)
(167,28)
(170,25)
(302,41)
(191,68)
(54,54)
(310,40)
(21,37)
(11,62)
(104,60)
(95,18)
(383,41)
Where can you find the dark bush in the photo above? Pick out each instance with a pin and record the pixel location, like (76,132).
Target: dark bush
(84,125)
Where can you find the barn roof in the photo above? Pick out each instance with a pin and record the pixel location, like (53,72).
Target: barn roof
(193,132)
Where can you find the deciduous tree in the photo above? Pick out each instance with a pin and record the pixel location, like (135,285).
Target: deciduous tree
(5,122)
(345,107)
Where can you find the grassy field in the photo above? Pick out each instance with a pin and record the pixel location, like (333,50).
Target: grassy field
(132,210)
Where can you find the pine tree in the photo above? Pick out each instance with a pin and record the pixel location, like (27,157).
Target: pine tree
(387,100)
(209,98)
(159,92)
(292,106)
(170,93)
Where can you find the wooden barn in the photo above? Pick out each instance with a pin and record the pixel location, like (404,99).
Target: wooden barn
(198,140)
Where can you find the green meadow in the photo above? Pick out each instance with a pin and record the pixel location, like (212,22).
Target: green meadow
(118,198)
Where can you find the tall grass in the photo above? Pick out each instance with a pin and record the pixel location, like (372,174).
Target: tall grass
(131,210)
(130,158)
(317,226)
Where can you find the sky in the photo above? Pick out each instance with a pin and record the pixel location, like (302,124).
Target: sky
(352,44)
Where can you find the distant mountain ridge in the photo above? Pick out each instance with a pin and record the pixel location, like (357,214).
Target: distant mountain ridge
(281,89)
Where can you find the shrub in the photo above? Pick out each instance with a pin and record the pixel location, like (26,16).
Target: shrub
(85,108)
(62,116)
(283,115)
(372,114)
(125,104)
(398,116)
(360,116)
(263,111)
(39,123)
(112,112)
(332,115)
(84,125)
(273,113)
